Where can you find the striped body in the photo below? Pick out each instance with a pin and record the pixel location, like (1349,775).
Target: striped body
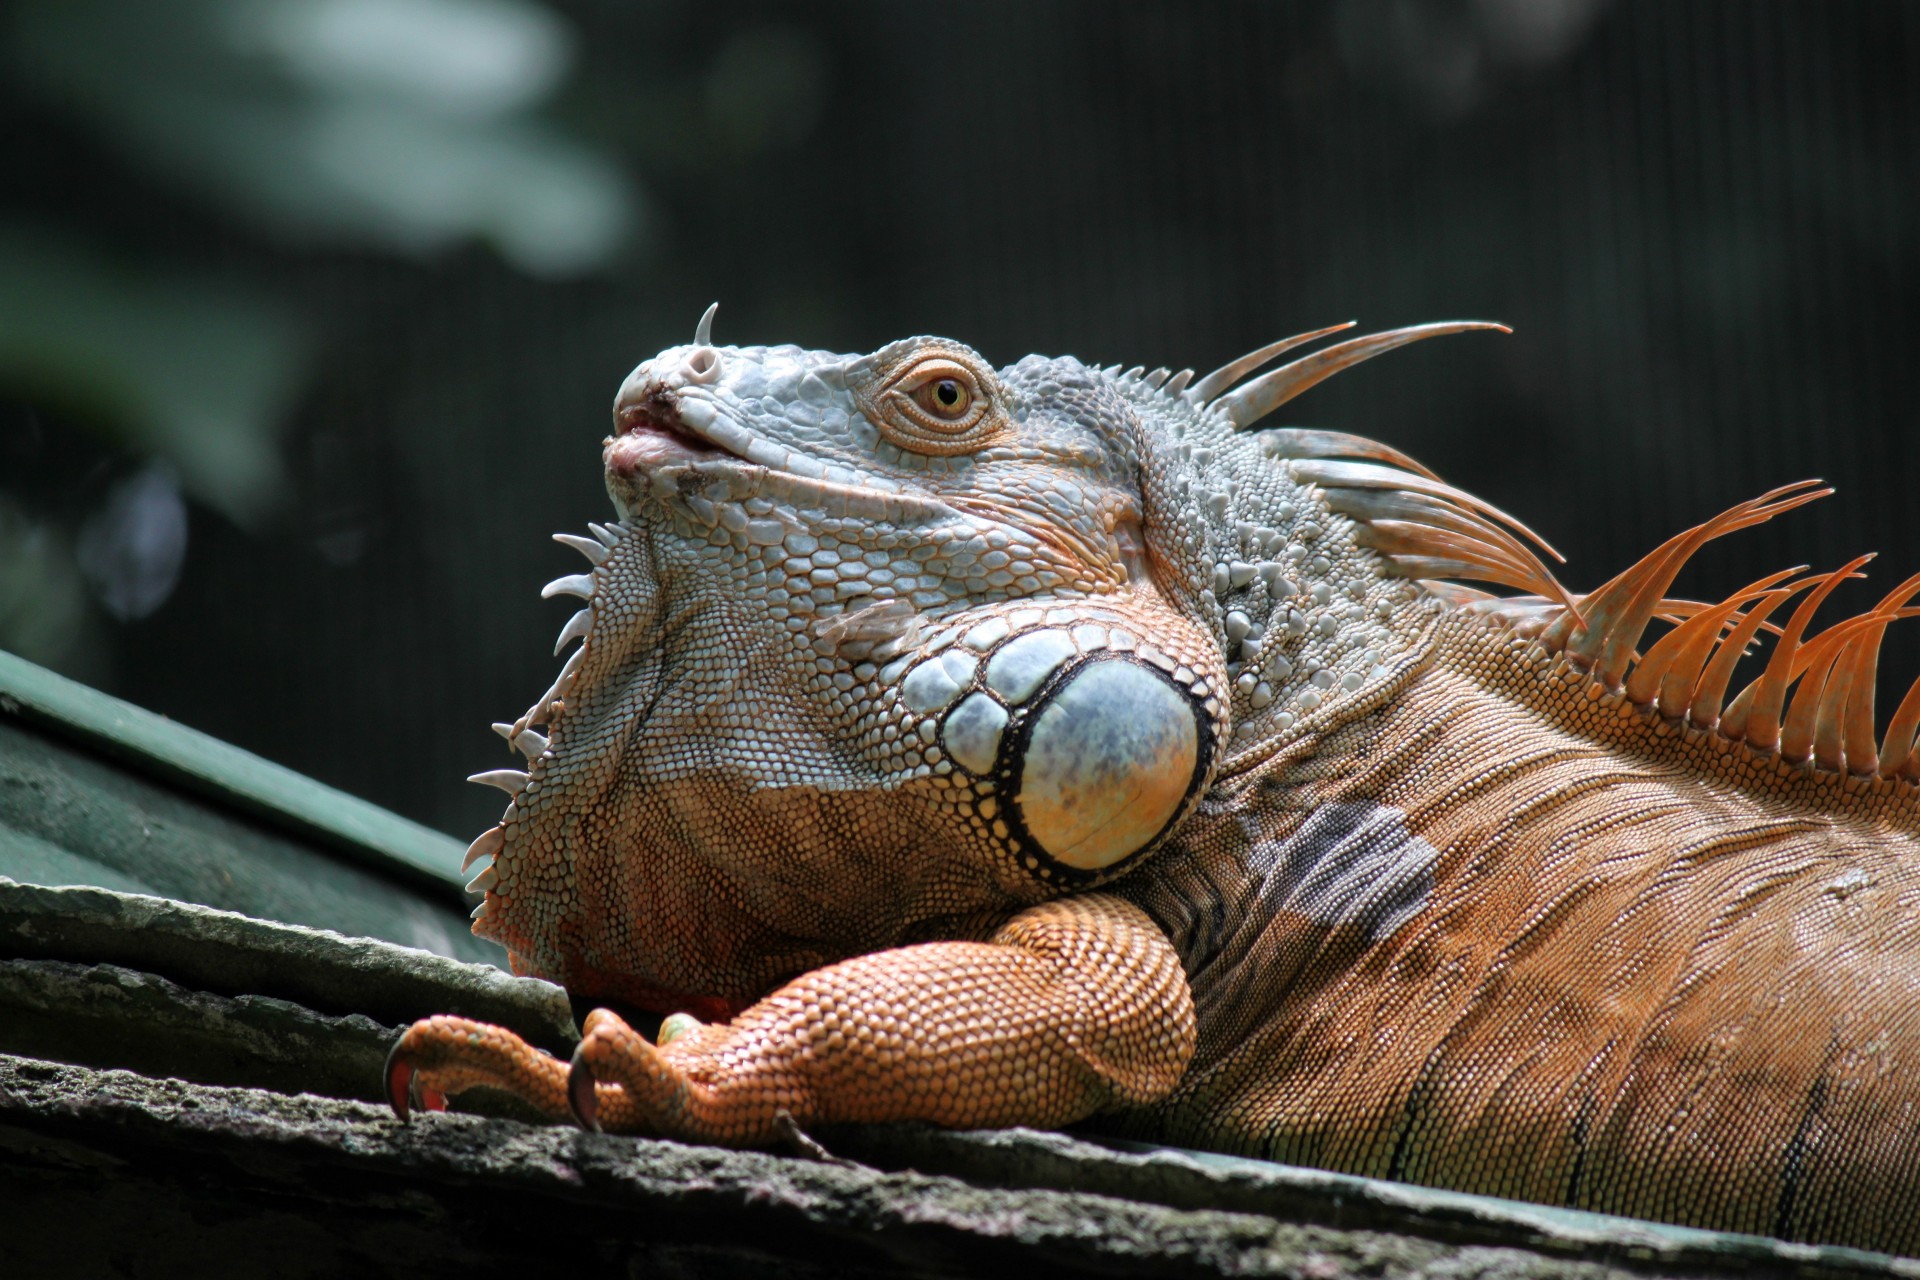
(1498,935)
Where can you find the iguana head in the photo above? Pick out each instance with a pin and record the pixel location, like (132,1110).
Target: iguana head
(880,643)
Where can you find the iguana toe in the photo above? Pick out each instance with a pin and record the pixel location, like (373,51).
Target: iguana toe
(442,1056)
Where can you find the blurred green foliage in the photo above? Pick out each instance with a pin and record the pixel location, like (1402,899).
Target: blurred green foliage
(163,362)
(403,127)
(43,602)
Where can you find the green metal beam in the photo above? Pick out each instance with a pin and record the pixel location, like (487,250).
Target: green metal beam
(94,791)
(193,761)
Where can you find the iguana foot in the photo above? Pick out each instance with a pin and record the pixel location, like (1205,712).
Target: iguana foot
(444,1055)
(1071,1006)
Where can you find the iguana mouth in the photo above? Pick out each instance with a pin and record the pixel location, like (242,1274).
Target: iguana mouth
(651,434)
(662,428)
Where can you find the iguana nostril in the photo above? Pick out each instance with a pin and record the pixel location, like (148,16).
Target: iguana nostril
(702,366)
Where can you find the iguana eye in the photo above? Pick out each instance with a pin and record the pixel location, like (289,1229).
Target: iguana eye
(937,405)
(939,395)
(947,398)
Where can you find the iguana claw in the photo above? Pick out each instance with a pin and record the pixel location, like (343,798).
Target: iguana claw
(405,1092)
(581,1094)
(399,1079)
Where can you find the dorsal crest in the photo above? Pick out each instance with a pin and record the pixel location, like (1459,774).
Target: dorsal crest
(1813,702)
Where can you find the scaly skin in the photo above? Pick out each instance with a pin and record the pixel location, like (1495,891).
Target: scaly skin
(891,664)
(1014,1029)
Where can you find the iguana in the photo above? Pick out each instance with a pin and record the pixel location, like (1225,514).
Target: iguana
(993,747)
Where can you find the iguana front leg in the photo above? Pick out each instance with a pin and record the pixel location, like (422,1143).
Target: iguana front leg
(1070,1007)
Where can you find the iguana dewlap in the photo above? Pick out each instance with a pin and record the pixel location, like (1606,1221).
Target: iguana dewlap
(1000,747)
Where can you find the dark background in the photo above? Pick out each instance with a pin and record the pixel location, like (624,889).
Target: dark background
(311,311)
